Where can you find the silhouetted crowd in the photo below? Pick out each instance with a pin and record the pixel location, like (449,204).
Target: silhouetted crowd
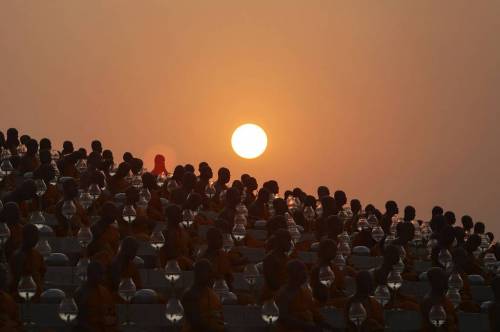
(217,242)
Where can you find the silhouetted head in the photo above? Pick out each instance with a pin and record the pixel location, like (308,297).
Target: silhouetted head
(450,218)
(391,255)
(223,175)
(355,206)
(244,178)
(323,191)
(459,235)
(159,161)
(340,198)
(237,184)
(95,273)
(214,239)
(30,236)
(297,273)
(96,146)
(275,223)
(67,147)
(109,213)
(123,170)
(206,173)
(127,157)
(467,223)
(280,206)
(203,273)
(437,211)
(178,173)
(128,248)
(31,147)
(107,155)
(10,214)
(438,281)
(149,181)
(136,165)
(437,223)
(45,156)
(405,231)
(252,184)
(479,228)
(174,215)
(410,213)
(201,165)
(24,139)
(189,181)
(70,189)
(263,195)
(233,197)
(45,144)
(310,200)
(272,186)
(12,138)
(82,153)
(189,168)
(327,250)
(3,143)
(391,207)
(364,284)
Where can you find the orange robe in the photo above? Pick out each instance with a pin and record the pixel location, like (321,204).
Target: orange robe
(27,263)
(177,246)
(275,274)
(451,316)
(335,295)
(80,218)
(14,241)
(106,246)
(374,316)
(301,306)
(97,311)
(155,207)
(203,311)
(118,185)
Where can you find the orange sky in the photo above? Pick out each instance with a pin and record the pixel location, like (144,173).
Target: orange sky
(384,99)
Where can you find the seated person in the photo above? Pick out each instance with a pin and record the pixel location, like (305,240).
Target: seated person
(123,266)
(334,295)
(438,280)
(258,209)
(391,257)
(106,236)
(27,261)
(298,310)
(375,313)
(96,307)
(274,264)
(178,244)
(459,264)
(142,227)
(219,259)
(202,307)
(118,182)
(70,227)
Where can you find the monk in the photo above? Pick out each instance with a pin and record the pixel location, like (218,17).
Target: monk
(70,227)
(67,164)
(274,264)
(437,296)
(46,172)
(22,195)
(29,162)
(202,307)
(219,259)
(298,310)
(106,236)
(258,209)
(142,226)
(155,207)
(459,265)
(374,311)
(118,183)
(405,232)
(335,294)
(9,311)
(391,257)
(96,307)
(159,167)
(11,216)
(123,266)
(27,261)
(178,244)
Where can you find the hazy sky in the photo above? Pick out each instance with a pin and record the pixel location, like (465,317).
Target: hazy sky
(384,99)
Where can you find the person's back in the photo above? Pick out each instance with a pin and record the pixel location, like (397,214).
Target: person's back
(9,311)
(274,264)
(202,307)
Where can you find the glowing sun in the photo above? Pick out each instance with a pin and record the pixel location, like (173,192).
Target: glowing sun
(249,141)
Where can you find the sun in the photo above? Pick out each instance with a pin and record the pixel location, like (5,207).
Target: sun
(249,141)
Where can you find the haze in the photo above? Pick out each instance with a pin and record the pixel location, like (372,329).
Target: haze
(383,99)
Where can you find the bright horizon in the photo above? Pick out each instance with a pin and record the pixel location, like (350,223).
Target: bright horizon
(384,100)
